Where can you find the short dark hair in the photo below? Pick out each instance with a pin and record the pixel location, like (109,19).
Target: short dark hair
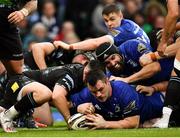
(110,8)
(95,75)
(96,65)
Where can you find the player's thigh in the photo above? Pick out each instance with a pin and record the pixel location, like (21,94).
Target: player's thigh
(40,91)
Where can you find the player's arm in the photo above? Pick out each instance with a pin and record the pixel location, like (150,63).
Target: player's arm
(40,51)
(149,90)
(60,102)
(30,6)
(97,121)
(171,19)
(170,24)
(170,51)
(63,86)
(17,16)
(146,72)
(86,45)
(128,122)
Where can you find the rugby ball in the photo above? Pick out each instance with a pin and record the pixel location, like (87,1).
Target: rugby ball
(77,122)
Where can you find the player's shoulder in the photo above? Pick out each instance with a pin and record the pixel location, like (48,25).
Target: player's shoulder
(128,25)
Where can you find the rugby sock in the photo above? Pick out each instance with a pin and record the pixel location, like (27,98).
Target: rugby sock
(166,114)
(171,102)
(26,103)
(173,94)
(11,113)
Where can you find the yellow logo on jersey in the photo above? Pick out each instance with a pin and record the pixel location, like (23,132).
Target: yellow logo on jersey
(115,32)
(15,86)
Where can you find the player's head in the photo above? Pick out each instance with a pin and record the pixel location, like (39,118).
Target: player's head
(112,16)
(83,57)
(92,65)
(99,85)
(109,55)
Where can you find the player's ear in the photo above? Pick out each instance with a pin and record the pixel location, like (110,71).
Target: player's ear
(120,15)
(106,80)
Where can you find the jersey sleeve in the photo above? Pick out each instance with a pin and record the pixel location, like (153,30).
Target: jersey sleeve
(83,96)
(142,48)
(66,81)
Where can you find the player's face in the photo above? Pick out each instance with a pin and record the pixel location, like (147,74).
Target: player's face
(102,90)
(113,20)
(80,59)
(114,62)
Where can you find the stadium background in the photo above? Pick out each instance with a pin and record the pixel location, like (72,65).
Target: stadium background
(50,21)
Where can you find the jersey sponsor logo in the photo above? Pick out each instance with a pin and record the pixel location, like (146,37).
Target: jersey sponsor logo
(115,32)
(141,47)
(14,87)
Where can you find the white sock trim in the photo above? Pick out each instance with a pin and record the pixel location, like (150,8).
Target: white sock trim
(177,64)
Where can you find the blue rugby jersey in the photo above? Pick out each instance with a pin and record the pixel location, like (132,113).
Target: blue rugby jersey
(124,102)
(128,30)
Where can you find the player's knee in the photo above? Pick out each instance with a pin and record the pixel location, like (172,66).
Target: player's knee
(43,95)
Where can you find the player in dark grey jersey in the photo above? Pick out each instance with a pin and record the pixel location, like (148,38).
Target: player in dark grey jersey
(11,13)
(63,81)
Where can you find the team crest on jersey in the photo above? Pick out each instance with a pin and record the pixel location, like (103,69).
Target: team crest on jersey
(117,108)
(141,47)
(15,86)
(115,32)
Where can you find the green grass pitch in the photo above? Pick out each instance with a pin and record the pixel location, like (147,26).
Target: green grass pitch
(59,130)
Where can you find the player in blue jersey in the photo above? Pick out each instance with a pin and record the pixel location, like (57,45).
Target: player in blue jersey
(120,31)
(116,103)
(124,60)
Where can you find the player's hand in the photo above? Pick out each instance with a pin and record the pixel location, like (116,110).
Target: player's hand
(62,45)
(145,89)
(16,17)
(96,121)
(145,59)
(86,108)
(113,78)
(161,48)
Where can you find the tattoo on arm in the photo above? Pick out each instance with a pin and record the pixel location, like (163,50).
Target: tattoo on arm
(31,6)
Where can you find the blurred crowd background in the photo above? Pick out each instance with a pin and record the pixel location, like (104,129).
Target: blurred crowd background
(75,20)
